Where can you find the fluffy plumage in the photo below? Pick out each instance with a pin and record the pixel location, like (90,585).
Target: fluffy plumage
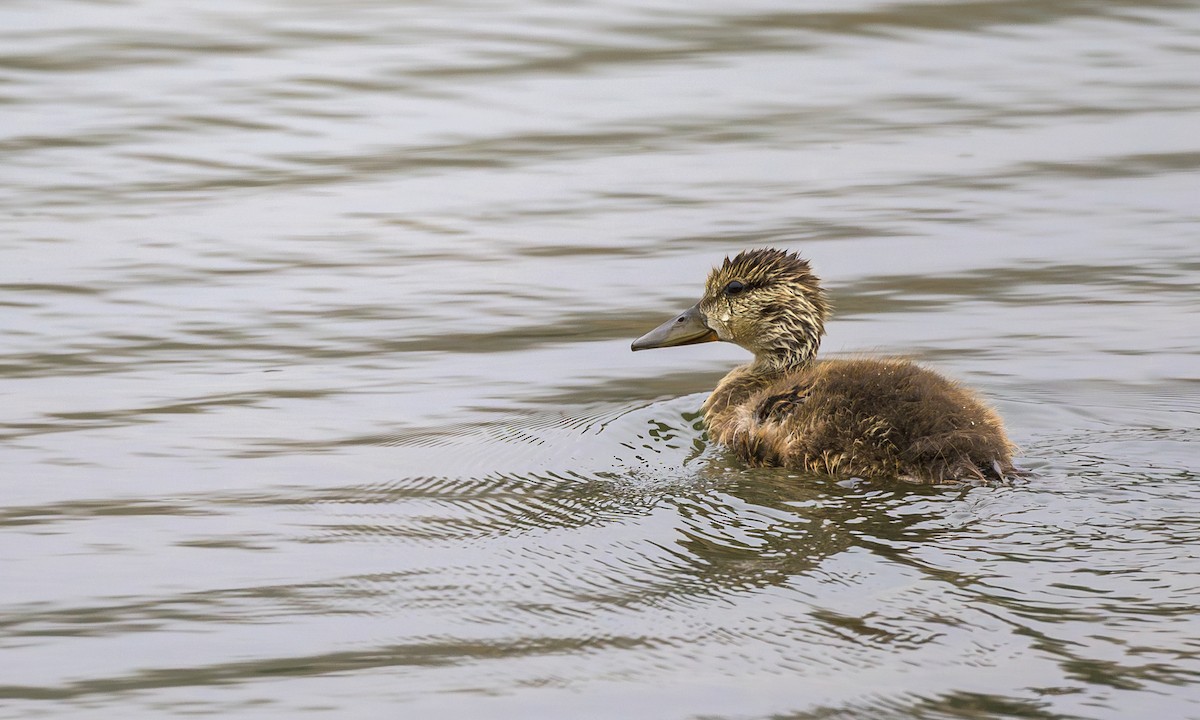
(862,417)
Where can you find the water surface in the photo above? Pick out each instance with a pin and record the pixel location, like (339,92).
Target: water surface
(318,398)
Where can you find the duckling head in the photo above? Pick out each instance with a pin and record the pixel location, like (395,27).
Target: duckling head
(767,301)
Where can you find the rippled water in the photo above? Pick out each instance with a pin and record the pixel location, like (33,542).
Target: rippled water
(318,398)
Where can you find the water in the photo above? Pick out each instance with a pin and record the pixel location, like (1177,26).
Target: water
(318,398)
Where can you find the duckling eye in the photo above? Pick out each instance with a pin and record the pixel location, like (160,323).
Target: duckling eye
(734,288)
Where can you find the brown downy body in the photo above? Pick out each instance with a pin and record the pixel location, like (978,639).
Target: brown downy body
(859,417)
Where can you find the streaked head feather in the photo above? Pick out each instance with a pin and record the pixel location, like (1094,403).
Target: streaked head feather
(779,311)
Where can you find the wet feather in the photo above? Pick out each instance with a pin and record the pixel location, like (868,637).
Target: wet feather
(864,417)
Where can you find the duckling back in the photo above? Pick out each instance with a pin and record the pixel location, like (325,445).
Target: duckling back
(862,417)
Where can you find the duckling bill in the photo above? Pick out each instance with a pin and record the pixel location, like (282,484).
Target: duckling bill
(882,417)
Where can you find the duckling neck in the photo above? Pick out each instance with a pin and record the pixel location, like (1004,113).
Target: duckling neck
(768,367)
(784,359)
(786,348)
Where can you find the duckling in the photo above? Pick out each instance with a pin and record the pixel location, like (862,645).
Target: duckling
(863,417)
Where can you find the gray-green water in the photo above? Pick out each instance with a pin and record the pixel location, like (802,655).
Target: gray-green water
(316,384)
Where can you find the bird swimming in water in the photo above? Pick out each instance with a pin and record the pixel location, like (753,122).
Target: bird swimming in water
(863,417)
